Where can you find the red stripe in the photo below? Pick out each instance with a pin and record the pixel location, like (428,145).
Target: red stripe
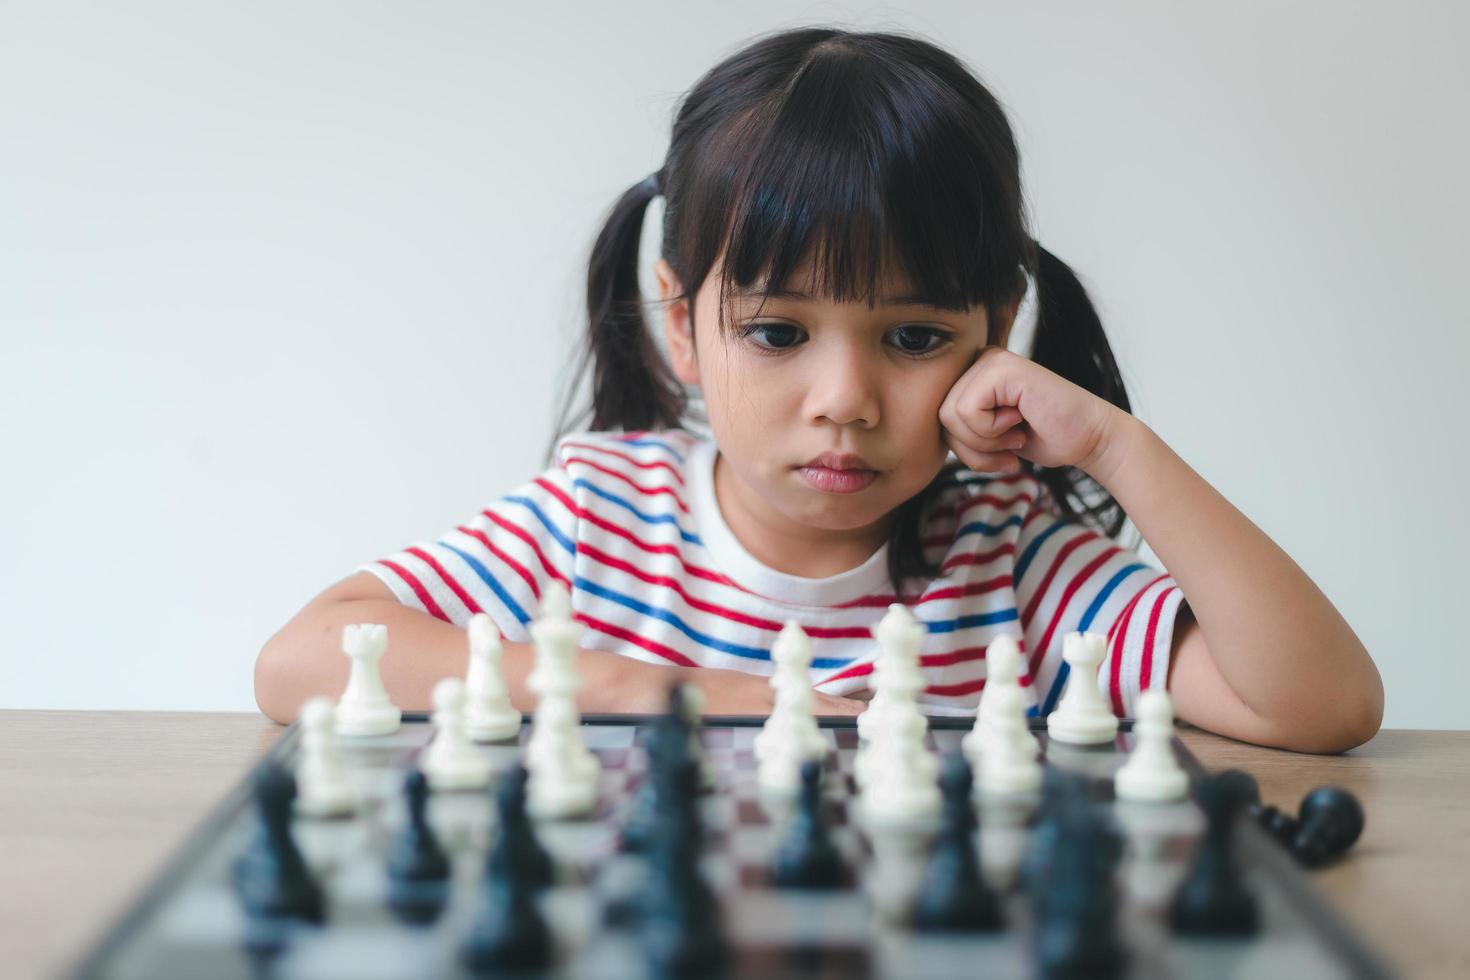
(448,579)
(962,655)
(978,557)
(1117,637)
(1146,665)
(694,571)
(668,653)
(418,589)
(531,543)
(1071,590)
(641,464)
(645,491)
(724,612)
(514,565)
(1039,592)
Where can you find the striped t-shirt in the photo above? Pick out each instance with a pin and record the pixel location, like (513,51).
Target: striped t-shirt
(629,524)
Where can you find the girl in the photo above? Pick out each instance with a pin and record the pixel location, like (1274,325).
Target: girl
(844,254)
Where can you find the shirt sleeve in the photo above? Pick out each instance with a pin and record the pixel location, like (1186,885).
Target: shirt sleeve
(496,562)
(1069,577)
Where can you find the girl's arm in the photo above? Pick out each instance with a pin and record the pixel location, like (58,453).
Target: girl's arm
(305,658)
(1260,654)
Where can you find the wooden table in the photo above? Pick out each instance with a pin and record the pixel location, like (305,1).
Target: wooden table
(94,802)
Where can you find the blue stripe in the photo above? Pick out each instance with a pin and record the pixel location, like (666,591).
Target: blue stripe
(989,530)
(978,619)
(488,579)
(689,536)
(1092,609)
(713,643)
(551,528)
(658,443)
(1035,546)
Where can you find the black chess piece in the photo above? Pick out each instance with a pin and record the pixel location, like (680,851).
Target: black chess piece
(667,747)
(271,876)
(1279,824)
(952,893)
(807,857)
(682,933)
(509,932)
(418,868)
(1074,894)
(516,850)
(1213,898)
(1062,792)
(1329,821)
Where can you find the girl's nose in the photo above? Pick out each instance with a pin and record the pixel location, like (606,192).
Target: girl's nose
(843,391)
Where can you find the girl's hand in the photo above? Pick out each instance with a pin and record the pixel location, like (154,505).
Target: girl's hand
(1006,406)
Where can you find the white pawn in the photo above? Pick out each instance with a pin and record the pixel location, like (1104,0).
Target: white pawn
(1083,717)
(451,761)
(323,788)
(896,673)
(489,716)
(1152,774)
(365,708)
(791,731)
(901,790)
(1002,671)
(1008,764)
(563,773)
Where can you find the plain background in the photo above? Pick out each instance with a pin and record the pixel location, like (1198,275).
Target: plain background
(284,287)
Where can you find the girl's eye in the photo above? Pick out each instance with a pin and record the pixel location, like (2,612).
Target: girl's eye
(927,339)
(779,330)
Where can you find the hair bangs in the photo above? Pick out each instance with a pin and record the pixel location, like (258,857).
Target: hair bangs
(867,172)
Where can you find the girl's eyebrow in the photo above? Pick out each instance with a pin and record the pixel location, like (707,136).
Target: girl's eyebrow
(904,300)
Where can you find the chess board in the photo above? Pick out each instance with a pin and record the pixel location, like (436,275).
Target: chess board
(189,922)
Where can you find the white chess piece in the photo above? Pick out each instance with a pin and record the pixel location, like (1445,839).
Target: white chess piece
(563,773)
(895,667)
(364,708)
(694,714)
(1152,774)
(323,788)
(901,789)
(489,715)
(1002,671)
(451,761)
(897,681)
(1009,764)
(790,735)
(1083,717)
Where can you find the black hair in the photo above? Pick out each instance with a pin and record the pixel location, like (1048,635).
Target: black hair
(860,150)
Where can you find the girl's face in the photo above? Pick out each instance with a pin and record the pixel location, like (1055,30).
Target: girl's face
(808,376)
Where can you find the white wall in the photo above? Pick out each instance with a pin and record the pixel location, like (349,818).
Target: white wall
(284,287)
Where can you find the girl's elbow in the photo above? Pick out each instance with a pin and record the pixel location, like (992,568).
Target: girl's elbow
(271,695)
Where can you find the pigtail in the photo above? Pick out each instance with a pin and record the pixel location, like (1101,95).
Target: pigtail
(633,386)
(1069,341)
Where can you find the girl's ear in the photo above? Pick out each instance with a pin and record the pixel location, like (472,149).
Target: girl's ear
(678,326)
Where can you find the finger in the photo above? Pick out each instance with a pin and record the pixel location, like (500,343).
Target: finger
(1008,442)
(985,462)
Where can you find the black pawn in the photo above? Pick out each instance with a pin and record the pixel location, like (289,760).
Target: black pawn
(508,933)
(1074,898)
(807,858)
(1213,899)
(416,855)
(1277,823)
(1329,822)
(418,868)
(681,929)
(953,895)
(271,876)
(517,851)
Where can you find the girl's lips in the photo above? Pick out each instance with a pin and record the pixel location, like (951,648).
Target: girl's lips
(837,481)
